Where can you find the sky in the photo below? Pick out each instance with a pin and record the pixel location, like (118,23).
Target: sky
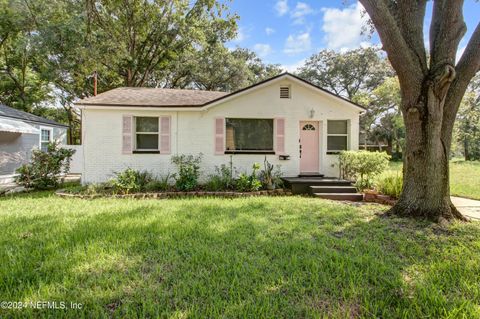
(286,32)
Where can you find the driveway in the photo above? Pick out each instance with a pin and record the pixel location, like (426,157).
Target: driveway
(468,207)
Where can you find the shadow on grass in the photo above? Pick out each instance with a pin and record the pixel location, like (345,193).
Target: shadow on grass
(259,257)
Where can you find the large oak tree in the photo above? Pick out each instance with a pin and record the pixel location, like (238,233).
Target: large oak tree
(431,91)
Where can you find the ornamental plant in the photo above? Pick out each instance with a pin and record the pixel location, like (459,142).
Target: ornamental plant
(188,167)
(362,166)
(45,169)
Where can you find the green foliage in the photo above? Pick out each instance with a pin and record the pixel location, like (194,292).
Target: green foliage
(362,166)
(44,169)
(390,184)
(131,180)
(161,184)
(188,167)
(249,183)
(271,176)
(467,126)
(222,179)
(347,73)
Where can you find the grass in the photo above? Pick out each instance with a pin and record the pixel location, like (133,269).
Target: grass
(464,177)
(283,257)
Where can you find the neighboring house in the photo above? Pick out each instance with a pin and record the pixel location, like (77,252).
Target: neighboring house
(290,121)
(22,132)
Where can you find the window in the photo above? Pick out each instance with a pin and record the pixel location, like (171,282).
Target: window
(308,127)
(45,138)
(337,136)
(249,135)
(284,92)
(146,133)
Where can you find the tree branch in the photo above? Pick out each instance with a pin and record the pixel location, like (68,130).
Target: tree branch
(400,54)
(446,31)
(466,69)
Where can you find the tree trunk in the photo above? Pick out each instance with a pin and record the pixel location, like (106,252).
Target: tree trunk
(465,149)
(426,186)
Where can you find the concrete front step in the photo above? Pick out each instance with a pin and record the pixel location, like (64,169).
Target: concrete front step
(354,197)
(332,189)
(317,175)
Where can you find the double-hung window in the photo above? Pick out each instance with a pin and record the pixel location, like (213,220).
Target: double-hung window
(337,136)
(146,133)
(249,135)
(45,138)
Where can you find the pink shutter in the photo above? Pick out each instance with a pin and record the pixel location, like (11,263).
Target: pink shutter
(219,136)
(165,129)
(280,136)
(127,134)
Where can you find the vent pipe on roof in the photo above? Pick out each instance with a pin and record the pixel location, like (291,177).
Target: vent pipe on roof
(95,83)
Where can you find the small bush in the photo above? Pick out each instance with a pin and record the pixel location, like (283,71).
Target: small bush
(188,167)
(131,180)
(271,176)
(362,166)
(249,183)
(162,184)
(222,179)
(390,184)
(44,169)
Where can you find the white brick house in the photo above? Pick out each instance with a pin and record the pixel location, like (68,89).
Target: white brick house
(292,122)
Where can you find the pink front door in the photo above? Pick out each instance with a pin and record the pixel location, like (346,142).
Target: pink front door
(309,147)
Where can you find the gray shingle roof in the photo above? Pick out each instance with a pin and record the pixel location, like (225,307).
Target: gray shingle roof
(140,96)
(10,112)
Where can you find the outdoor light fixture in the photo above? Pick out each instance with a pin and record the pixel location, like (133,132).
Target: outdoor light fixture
(312,113)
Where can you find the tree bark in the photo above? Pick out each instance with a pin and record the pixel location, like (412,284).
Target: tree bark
(426,185)
(431,94)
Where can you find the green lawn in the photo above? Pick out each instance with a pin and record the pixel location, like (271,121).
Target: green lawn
(464,177)
(270,257)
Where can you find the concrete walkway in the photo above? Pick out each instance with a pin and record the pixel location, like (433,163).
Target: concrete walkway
(468,207)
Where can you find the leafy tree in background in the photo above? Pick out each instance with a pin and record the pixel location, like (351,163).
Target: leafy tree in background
(431,91)
(349,73)
(467,127)
(20,86)
(219,69)
(383,121)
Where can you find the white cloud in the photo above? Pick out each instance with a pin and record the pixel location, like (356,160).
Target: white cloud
(262,49)
(297,43)
(301,10)
(343,27)
(281,7)
(294,66)
(269,31)
(241,35)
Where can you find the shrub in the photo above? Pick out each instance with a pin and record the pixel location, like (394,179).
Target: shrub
(161,184)
(362,166)
(390,184)
(131,180)
(100,188)
(271,176)
(44,169)
(188,167)
(249,183)
(222,179)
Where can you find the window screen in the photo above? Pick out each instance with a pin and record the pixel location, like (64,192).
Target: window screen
(337,136)
(249,134)
(146,133)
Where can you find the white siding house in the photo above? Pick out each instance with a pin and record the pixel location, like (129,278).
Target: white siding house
(20,134)
(292,122)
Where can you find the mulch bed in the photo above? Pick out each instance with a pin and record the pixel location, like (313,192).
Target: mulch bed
(165,195)
(379,198)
